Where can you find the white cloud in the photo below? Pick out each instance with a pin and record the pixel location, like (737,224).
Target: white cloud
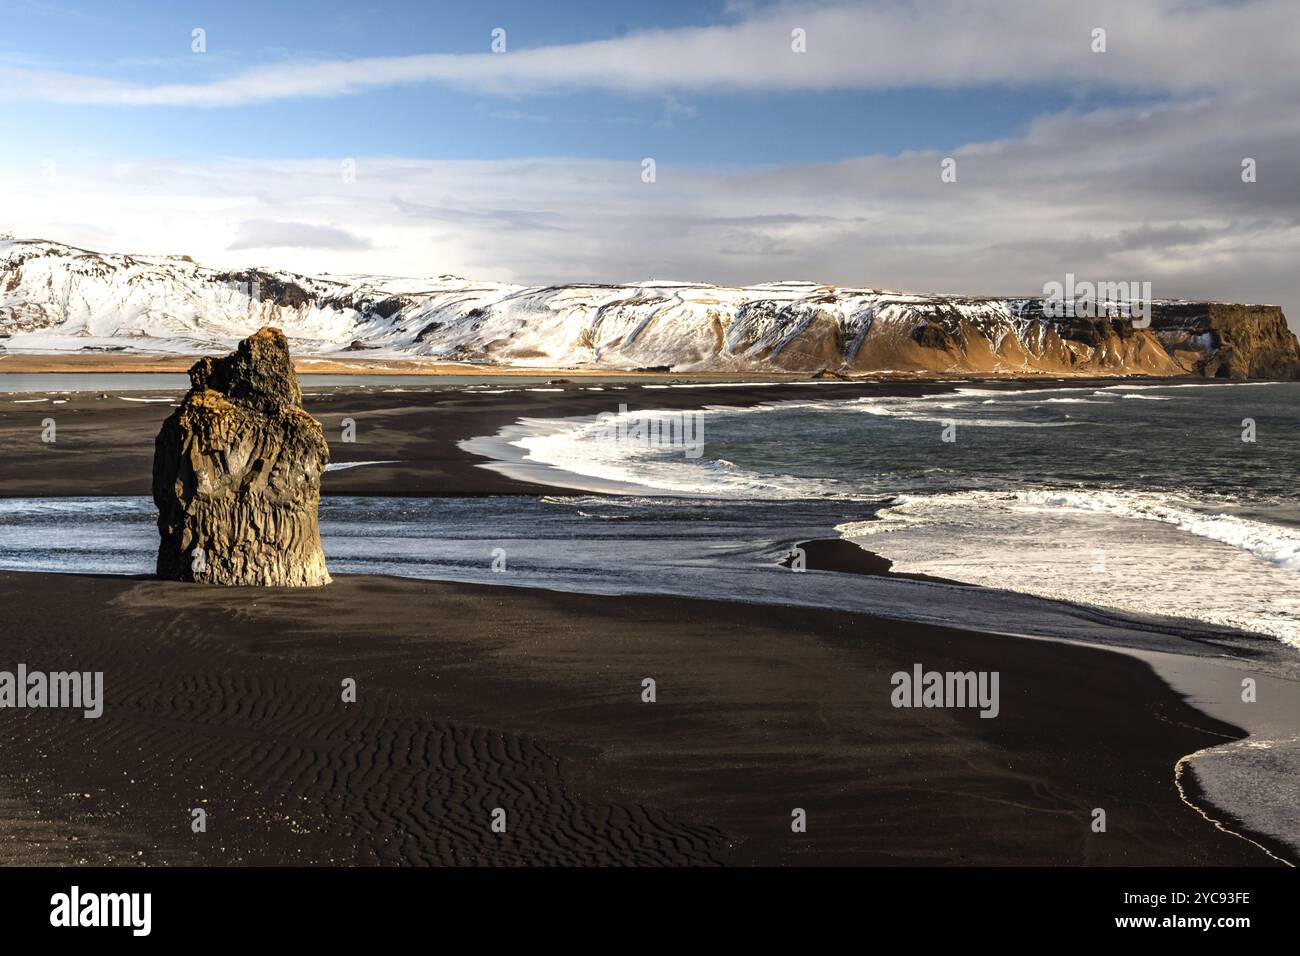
(1154,45)
(269,234)
(1152,194)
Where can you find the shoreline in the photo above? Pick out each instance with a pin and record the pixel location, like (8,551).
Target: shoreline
(1211,684)
(1210,779)
(1236,801)
(105,444)
(432,420)
(845,557)
(228,699)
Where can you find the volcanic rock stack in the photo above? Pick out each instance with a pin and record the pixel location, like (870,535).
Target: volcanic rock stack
(236,474)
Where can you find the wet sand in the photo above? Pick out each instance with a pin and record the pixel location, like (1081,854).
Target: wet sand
(845,557)
(476,698)
(1240,784)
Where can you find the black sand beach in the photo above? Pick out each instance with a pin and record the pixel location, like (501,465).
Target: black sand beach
(474,698)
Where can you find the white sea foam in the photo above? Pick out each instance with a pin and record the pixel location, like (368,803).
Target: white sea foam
(1127,387)
(1083,546)
(570,444)
(916,410)
(574,446)
(1277,545)
(345,465)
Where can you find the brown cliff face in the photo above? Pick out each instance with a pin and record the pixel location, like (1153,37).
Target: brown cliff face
(963,337)
(236,474)
(1218,340)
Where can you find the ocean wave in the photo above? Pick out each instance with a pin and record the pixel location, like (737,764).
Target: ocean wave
(19,508)
(574,446)
(1189,385)
(1275,544)
(1079,546)
(905,413)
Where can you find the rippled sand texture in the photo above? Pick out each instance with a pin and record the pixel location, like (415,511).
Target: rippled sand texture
(472,698)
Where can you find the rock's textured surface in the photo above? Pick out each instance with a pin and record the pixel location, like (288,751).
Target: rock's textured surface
(236,474)
(1218,340)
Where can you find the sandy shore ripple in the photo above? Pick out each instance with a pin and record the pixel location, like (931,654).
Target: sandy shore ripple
(473,698)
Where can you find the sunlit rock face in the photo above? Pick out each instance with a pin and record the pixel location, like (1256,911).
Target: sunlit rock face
(236,474)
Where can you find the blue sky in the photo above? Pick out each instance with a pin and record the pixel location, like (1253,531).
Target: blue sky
(151,43)
(1118,163)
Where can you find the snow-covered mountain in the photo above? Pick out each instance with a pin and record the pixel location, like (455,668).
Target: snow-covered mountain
(55,297)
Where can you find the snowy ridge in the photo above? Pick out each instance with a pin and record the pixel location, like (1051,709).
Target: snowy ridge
(55,297)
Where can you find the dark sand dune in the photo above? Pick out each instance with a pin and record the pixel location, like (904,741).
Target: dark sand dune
(472,698)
